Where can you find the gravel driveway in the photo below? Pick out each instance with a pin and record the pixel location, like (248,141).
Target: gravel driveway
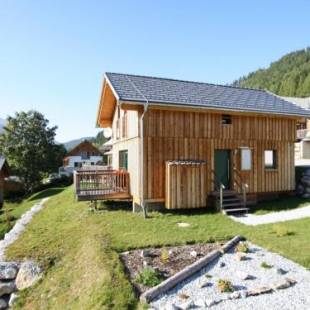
(227,267)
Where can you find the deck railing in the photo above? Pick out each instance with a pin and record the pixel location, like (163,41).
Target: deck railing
(96,184)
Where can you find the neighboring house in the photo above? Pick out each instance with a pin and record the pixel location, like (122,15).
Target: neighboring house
(84,154)
(302,146)
(106,149)
(4,173)
(182,142)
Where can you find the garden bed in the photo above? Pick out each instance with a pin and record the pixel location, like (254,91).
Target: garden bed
(166,261)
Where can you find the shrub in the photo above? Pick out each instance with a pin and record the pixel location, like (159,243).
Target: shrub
(281,231)
(242,247)
(164,255)
(149,277)
(224,286)
(265,265)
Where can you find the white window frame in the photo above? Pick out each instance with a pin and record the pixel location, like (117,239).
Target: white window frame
(246,159)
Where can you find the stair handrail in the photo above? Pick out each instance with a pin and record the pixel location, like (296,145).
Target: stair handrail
(243,187)
(219,186)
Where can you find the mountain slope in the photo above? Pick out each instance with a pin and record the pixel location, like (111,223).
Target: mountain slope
(289,76)
(2,124)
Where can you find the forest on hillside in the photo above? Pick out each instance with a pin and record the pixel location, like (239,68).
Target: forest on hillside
(289,76)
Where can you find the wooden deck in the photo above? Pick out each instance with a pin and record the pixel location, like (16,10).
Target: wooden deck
(101,184)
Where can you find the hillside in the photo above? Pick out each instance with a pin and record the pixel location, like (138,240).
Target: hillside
(289,76)
(2,123)
(98,140)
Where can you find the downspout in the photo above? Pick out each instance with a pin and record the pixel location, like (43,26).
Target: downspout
(145,107)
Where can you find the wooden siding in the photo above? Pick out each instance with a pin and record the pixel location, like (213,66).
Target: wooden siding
(185,185)
(178,135)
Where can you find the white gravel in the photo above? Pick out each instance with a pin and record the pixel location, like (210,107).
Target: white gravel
(19,227)
(273,217)
(294,297)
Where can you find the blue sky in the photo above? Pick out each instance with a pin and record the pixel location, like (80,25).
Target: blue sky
(53,53)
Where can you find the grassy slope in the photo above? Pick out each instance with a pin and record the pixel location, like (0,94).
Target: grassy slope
(79,249)
(14,210)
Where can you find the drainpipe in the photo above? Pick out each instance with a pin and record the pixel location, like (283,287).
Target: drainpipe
(142,158)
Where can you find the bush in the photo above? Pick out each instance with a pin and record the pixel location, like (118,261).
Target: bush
(281,231)
(225,286)
(149,277)
(265,265)
(164,255)
(242,247)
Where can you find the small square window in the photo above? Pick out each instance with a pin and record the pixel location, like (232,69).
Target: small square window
(270,159)
(246,159)
(226,119)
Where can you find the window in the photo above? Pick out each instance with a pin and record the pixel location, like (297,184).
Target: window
(226,119)
(270,159)
(123,160)
(76,164)
(246,159)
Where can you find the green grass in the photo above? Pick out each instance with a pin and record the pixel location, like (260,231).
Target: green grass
(12,210)
(283,204)
(79,249)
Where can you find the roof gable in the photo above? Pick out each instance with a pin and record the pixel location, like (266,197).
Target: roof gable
(84,146)
(185,93)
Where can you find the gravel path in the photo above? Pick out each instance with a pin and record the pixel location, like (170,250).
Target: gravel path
(273,217)
(294,297)
(19,227)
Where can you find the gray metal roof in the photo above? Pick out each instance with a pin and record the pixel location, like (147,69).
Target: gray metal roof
(177,92)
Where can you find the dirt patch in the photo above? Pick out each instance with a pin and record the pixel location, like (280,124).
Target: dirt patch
(178,258)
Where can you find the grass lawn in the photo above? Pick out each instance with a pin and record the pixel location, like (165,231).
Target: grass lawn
(283,204)
(12,210)
(79,248)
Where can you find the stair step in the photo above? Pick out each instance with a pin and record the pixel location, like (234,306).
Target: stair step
(225,193)
(235,210)
(232,199)
(232,204)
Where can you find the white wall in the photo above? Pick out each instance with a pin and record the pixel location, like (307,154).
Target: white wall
(78,159)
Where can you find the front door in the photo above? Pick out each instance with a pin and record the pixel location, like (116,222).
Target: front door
(222,167)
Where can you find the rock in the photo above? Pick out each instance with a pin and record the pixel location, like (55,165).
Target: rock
(3,304)
(187,305)
(183,296)
(281,271)
(8,270)
(12,299)
(283,284)
(210,302)
(243,275)
(260,290)
(170,252)
(145,253)
(240,256)
(183,225)
(222,264)
(235,295)
(204,284)
(7,288)
(243,294)
(29,273)
(173,307)
(193,253)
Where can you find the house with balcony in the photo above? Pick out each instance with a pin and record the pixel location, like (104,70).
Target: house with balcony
(84,154)
(187,144)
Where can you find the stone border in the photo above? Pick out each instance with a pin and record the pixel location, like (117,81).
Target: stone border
(180,276)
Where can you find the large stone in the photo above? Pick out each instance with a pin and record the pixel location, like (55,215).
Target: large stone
(7,288)
(8,270)
(3,304)
(12,299)
(283,284)
(145,253)
(29,273)
(281,271)
(240,256)
(187,305)
(193,253)
(244,276)
(204,284)
(210,302)
(260,290)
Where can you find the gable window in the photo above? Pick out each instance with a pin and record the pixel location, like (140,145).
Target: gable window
(123,159)
(270,159)
(226,119)
(246,159)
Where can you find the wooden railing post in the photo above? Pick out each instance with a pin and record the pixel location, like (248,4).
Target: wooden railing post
(244,189)
(222,187)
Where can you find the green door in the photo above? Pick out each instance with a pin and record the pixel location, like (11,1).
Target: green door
(222,167)
(123,159)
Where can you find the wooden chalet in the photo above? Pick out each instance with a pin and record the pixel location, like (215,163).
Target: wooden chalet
(188,144)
